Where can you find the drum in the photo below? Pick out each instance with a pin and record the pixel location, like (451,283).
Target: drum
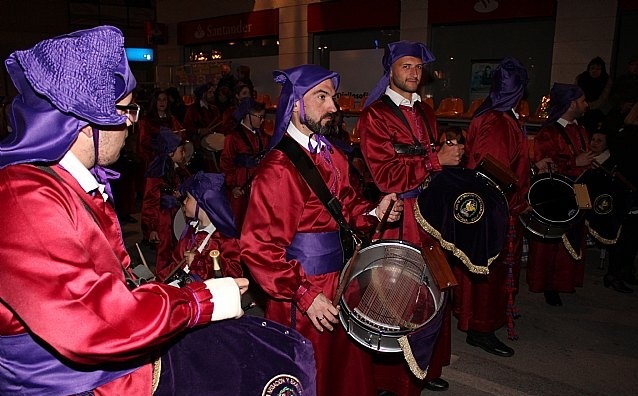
(554,209)
(179,224)
(213,142)
(467,213)
(388,294)
(610,203)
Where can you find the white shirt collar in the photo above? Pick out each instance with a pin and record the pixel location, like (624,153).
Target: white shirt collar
(247,127)
(400,100)
(79,172)
(564,122)
(300,138)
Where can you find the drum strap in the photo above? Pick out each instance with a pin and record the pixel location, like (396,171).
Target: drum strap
(418,148)
(563,134)
(311,175)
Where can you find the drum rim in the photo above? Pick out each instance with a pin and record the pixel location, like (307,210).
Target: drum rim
(562,179)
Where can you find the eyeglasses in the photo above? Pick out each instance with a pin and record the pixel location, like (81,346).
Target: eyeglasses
(132,111)
(261,117)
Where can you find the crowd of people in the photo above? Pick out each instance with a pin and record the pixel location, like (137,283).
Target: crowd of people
(271,211)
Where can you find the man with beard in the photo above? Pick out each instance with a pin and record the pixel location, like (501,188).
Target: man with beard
(290,242)
(398,136)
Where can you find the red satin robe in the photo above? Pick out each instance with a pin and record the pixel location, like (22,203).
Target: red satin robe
(239,176)
(202,264)
(481,302)
(380,128)
(156,218)
(550,266)
(282,204)
(62,280)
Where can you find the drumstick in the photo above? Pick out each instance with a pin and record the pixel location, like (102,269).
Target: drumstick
(214,255)
(139,251)
(384,220)
(346,275)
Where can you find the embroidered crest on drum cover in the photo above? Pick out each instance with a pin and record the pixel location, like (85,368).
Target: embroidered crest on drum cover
(283,385)
(603,204)
(468,208)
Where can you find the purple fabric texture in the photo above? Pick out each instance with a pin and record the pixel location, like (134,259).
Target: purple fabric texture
(64,84)
(31,370)
(393,52)
(248,356)
(509,81)
(209,192)
(164,144)
(560,98)
(467,214)
(295,83)
(317,252)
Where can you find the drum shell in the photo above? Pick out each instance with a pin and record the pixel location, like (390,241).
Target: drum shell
(394,273)
(554,209)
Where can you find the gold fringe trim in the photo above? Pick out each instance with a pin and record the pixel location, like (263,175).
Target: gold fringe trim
(570,248)
(476,269)
(157,371)
(409,358)
(599,238)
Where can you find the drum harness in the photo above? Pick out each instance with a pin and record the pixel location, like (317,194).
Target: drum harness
(417,148)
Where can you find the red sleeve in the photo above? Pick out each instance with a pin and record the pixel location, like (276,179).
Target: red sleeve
(380,129)
(65,284)
(150,216)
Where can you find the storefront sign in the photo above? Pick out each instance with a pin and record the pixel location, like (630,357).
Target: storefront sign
(230,27)
(455,11)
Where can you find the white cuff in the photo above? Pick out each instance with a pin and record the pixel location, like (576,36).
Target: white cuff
(226,298)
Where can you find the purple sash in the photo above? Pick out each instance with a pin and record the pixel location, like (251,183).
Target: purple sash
(26,369)
(318,253)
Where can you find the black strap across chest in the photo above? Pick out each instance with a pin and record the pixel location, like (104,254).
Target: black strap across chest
(418,148)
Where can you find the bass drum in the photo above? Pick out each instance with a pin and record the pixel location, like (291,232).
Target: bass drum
(388,294)
(610,204)
(554,209)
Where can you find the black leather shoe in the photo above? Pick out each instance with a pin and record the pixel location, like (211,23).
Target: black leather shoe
(385,393)
(616,284)
(553,298)
(489,343)
(437,384)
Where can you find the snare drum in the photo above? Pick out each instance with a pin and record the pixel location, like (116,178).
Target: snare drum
(554,209)
(389,293)
(213,142)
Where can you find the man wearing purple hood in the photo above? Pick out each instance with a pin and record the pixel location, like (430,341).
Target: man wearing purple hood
(75,319)
(290,242)
(398,141)
(484,303)
(555,265)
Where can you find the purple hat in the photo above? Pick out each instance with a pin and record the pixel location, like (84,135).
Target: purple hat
(209,192)
(295,83)
(64,84)
(509,81)
(560,98)
(394,52)
(164,144)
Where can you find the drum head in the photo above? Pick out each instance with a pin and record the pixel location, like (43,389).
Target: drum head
(390,293)
(179,224)
(213,142)
(553,199)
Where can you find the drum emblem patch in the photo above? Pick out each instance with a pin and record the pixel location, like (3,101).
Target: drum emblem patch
(468,208)
(283,385)
(603,204)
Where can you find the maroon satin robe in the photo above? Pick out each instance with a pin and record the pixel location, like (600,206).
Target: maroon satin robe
(481,302)
(282,204)
(550,266)
(380,128)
